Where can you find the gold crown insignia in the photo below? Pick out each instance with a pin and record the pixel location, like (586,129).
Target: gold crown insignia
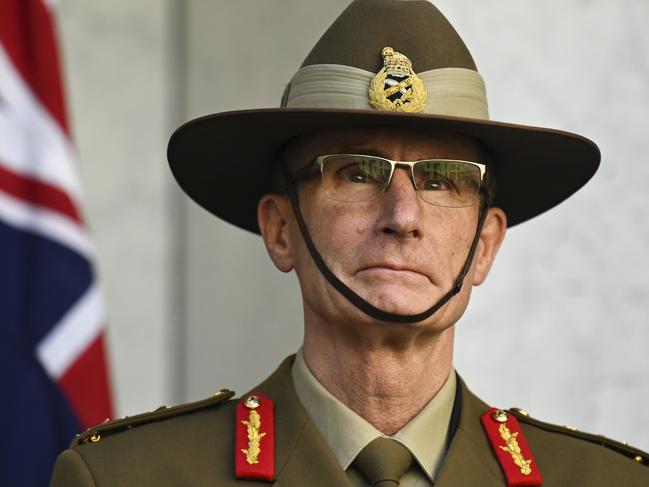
(395,63)
(396,87)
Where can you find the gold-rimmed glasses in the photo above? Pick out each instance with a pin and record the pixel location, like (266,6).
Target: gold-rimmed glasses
(448,183)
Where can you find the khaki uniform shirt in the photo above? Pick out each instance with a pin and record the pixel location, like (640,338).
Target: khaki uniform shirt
(347,433)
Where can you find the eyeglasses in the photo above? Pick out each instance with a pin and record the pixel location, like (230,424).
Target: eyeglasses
(357,178)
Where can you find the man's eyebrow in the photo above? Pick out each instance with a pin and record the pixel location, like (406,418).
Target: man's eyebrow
(362,149)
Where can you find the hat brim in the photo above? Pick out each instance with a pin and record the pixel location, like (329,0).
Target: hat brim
(224,161)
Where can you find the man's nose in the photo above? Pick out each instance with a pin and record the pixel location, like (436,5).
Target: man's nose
(401,206)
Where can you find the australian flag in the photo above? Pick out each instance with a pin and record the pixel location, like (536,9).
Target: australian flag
(53,374)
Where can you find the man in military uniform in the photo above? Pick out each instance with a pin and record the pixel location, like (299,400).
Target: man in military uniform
(384,185)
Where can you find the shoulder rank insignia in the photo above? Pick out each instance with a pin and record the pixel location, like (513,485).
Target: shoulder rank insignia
(254,448)
(396,87)
(111,427)
(622,448)
(511,448)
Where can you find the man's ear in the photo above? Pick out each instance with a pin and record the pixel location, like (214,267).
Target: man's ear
(274,214)
(493,234)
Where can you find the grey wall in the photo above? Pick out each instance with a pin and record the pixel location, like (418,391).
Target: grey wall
(560,328)
(116,68)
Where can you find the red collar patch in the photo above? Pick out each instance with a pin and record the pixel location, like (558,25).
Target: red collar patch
(511,449)
(254,446)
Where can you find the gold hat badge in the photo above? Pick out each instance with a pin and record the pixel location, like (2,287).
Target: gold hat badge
(396,87)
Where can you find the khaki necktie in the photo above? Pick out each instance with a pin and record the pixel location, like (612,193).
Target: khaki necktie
(383,462)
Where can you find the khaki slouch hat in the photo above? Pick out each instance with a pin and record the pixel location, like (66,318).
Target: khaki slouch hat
(382,63)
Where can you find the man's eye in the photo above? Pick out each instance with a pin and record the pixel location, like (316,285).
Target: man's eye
(357,177)
(355,174)
(437,184)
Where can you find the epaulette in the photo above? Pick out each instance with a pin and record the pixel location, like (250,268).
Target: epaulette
(622,448)
(110,427)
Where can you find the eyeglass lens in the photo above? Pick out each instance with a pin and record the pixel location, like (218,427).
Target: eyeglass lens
(441,182)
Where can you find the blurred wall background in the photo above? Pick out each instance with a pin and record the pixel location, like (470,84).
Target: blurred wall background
(561,328)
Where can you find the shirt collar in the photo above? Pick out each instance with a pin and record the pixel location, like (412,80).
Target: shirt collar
(425,435)
(347,433)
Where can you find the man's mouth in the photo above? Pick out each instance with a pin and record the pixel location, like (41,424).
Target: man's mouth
(393,271)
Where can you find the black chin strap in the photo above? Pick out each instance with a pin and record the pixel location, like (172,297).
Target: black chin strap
(361,303)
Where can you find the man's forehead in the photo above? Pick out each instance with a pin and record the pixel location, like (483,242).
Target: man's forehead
(404,144)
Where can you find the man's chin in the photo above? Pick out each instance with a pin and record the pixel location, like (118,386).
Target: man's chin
(402,302)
